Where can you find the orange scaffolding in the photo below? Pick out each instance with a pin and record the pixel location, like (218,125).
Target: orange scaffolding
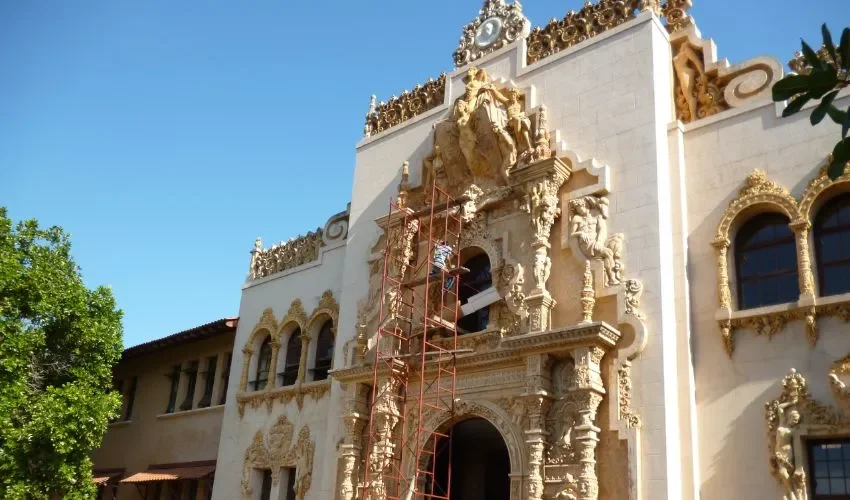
(414,371)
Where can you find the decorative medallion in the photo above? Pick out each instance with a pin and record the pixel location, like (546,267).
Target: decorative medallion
(497,25)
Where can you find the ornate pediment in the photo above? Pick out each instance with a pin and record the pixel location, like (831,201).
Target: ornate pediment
(497,25)
(489,133)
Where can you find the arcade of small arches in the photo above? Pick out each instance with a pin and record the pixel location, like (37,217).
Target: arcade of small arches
(278,354)
(771,235)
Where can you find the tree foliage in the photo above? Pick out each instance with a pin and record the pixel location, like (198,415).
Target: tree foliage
(58,344)
(827,72)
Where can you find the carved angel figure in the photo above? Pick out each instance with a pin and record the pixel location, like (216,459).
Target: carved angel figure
(688,68)
(792,477)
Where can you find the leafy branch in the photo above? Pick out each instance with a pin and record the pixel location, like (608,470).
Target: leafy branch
(821,76)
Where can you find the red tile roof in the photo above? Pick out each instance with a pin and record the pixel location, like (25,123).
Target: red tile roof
(209,330)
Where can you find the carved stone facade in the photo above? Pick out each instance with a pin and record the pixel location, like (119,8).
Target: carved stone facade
(276,450)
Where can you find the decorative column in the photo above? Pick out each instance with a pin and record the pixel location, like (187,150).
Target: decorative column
(385,417)
(302,363)
(804,263)
(537,402)
(350,452)
(587,393)
(724,293)
(588,296)
(275,345)
(541,182)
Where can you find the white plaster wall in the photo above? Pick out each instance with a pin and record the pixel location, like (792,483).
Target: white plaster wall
(306,283)
(730,393)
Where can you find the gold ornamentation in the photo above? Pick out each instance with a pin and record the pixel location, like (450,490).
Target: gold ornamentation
(799,65)
(591,20)
(275,451)
(295,314)
(498,24)
(327,308)
(588,296)
(283,395)
(408,105)
(704,86)
(284,256)
(676,14)
(488,135)
(589,228)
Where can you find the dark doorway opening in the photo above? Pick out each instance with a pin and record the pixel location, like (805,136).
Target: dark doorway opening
(480,463)
(476,280)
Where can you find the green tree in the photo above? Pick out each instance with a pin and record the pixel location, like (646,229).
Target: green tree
(58,344)
(823,75)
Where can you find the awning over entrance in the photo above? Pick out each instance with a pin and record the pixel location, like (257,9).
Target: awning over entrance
(170,474)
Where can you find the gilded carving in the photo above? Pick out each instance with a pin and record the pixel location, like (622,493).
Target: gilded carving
(799,65)
(408,105)
(490,131)
(676,14)
(703,86)
(275,451)
(296,314)
(285,256)
(589,228)
(497,25)
(591,20)
(327,308)
(283,395)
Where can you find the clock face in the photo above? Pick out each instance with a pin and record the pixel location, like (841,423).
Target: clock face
(488,32)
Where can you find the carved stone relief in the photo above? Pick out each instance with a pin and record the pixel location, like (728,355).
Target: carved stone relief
(276,450)
(401,108)
(792,415)
(589,228)
(704,86)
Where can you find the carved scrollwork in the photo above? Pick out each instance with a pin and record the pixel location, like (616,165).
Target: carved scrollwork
(497,25)
(276,450)
(284,256)
(703,86)
(336,228)
(408,105)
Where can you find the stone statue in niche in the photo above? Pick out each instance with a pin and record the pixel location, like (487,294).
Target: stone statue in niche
(589,226)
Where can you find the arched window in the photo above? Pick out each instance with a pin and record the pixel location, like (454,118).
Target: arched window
(264,361)
(475,281)
(766,262)
(293,358)
(832,246)
(324,351)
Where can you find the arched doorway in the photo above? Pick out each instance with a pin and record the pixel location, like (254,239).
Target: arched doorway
(480,463)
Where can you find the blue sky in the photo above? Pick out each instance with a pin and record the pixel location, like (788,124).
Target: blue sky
(165,136)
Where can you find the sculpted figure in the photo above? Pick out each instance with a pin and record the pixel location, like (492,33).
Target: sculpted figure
(590,228)
(791,477)
(518,122)
(689,67)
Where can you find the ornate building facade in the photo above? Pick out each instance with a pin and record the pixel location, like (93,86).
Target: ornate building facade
(664,260)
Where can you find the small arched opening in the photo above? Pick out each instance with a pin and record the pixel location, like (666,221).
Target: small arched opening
(480,464)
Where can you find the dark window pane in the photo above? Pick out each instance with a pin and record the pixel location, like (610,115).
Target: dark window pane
(289,375)
(192,374)
(264,361)
(832,245)
(819,452)
(131,398)
(172,395)
(833,451)
(324,351)
(266,488)
(225,378)
(209,381)
(766,262)
(821,469)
